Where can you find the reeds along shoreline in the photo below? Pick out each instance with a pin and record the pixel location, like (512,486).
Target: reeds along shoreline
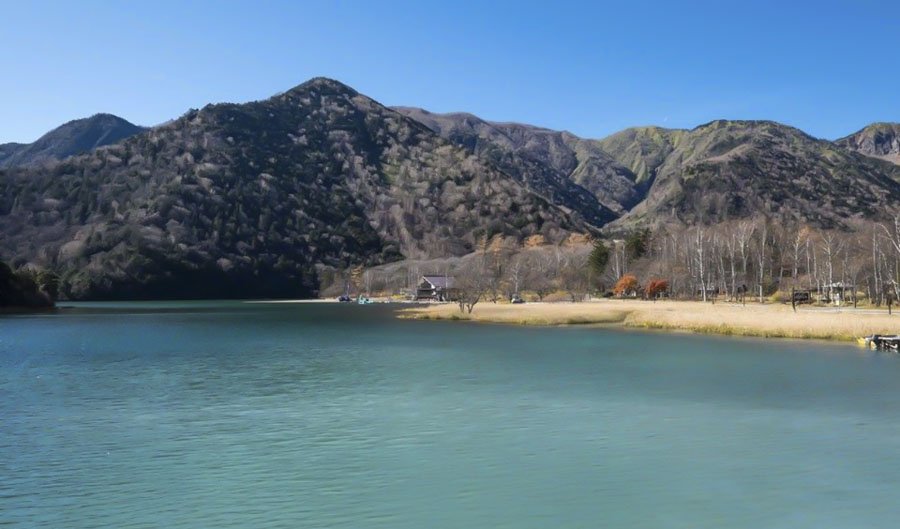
(770,321)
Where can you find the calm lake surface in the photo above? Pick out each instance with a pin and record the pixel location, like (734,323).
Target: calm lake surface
(227,415)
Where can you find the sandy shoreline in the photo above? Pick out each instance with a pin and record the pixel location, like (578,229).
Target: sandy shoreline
(283,301)
(773,321)
(329,300)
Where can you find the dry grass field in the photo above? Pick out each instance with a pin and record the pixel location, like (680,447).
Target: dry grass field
(771,320)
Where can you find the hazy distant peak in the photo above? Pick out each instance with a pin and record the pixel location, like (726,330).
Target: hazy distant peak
(73,137)
(878,140)
(426,116)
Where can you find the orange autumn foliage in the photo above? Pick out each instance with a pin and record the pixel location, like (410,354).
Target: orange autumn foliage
(627,285)
(656,287)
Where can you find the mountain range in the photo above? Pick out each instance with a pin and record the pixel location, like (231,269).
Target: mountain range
(257,199)
(717,171)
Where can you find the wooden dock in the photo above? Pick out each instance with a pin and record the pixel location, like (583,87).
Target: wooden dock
(882,342)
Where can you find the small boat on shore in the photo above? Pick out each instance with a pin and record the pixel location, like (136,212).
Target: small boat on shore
(882,342)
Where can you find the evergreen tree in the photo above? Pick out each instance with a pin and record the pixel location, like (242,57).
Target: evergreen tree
(597,261)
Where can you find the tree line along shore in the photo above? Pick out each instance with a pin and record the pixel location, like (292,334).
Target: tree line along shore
(747,260)
(748,277)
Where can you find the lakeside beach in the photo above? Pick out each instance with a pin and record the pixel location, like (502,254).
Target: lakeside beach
(770,320)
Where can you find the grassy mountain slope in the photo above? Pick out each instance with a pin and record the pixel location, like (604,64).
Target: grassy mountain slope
(734,169)
(643,150)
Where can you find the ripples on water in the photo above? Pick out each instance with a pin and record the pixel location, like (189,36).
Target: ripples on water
(257,416)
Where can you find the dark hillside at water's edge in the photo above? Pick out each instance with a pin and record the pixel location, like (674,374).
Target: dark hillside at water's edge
(249,200)
(20,291)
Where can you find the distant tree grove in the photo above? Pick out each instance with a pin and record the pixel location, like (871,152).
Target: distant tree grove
(739,260)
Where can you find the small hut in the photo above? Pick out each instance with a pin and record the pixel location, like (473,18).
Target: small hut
(436,288)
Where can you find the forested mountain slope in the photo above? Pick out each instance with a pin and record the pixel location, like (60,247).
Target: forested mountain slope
(240,200)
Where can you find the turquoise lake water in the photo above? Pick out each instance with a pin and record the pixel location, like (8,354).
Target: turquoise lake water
(235,415)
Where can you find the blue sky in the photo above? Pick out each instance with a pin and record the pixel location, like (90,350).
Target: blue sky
(593,68)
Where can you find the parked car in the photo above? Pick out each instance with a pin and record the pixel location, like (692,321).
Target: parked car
(516,300)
